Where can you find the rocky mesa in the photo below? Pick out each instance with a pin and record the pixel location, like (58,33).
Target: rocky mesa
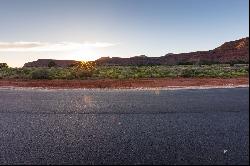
(230,52)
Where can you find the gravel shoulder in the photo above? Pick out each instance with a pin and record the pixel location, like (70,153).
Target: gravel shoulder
(130,83)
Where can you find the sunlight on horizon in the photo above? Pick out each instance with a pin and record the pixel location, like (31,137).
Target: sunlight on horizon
(84,54)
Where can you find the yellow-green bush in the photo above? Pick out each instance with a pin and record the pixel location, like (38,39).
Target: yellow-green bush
(89,71)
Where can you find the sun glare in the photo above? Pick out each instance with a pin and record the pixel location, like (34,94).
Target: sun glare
(84,54)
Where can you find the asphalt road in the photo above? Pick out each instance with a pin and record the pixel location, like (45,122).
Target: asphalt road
(208,126)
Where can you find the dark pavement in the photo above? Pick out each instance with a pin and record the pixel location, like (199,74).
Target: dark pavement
(205,126)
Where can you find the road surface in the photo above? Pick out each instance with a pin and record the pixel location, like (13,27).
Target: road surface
(205,126)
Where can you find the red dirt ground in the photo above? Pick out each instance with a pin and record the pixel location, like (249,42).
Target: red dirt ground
(139,83)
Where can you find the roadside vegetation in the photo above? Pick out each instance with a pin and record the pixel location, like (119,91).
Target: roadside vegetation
(86,70)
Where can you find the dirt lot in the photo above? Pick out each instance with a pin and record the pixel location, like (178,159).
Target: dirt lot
(139,83)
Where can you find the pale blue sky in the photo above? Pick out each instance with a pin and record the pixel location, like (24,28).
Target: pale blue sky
(89,29)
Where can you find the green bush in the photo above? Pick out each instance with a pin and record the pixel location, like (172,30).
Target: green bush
(3,65)
(83,74)
(52,63)
(188,73)
(125,72)
(40,74)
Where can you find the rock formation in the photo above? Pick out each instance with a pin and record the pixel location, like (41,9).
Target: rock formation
(46,62)
(230,52)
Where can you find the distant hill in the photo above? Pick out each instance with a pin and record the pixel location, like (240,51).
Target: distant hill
(46,63)
(230,52)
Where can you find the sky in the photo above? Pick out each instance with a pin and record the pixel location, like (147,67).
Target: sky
(90,29)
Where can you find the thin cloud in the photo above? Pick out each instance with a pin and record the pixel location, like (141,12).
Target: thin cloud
(42,46)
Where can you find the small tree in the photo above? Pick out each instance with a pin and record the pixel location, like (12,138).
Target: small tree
(231,63)
(51,64)
(3,65)
(83,69)
(40,74)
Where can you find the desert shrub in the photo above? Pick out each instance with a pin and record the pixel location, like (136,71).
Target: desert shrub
(89,66)
(83,70)
(3,65)
(125,72)
(51,63)
(82,74)
(188,73)
(40,74)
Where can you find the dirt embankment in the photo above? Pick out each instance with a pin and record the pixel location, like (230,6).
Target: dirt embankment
(139,83)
